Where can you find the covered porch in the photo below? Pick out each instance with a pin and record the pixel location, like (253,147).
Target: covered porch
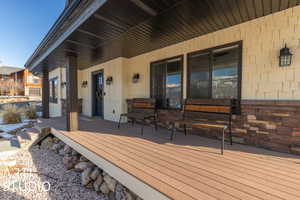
(190,167)
(100,53)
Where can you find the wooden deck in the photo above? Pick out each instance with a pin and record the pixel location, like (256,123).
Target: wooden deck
(189,168)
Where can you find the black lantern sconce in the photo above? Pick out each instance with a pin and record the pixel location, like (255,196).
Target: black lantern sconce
(84,84)
(285,57)
(63,84)
(109,80)
(135,77)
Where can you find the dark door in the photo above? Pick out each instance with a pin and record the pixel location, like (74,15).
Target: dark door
(98,93)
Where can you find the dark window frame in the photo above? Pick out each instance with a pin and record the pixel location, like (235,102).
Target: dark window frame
(181,57)
(53,97)
(240,46)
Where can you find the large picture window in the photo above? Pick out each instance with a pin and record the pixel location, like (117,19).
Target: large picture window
(166,82)
(215,73)
(53,83)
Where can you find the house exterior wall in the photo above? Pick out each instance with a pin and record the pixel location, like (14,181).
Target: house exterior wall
(270,94)
(262,78)
(115,94)
(12,84)
(30,85)
(55,108)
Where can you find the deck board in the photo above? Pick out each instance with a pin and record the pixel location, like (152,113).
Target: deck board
(191,167)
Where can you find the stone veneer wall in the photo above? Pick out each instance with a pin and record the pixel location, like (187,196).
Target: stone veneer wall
(270,124)
(274,125)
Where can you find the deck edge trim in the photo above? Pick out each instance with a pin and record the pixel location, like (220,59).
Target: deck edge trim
(134,184)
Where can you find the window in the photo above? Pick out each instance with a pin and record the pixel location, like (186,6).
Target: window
(166,82)
(215,73)
(34,91)
(53,89)
(35,80)
(32,79)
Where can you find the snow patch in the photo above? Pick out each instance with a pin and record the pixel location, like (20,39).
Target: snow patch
(11,127)
(6,136)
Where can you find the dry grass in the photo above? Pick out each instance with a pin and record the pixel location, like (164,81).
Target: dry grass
(11,114)
(30,112)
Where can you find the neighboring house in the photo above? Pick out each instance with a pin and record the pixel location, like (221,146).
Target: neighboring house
(211,51)
(11,81)
(32,85)
(19,82)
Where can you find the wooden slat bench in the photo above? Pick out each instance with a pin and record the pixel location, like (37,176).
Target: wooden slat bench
(219,110)
(141,109)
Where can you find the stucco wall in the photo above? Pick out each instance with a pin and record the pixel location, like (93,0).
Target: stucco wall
(262,78)
(55,108)
(115,93)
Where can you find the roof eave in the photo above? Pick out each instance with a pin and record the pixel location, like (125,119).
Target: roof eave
(36,59)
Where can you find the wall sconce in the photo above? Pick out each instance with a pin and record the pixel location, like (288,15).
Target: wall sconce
(109,80)
(63,84)
(285,58)
(84,84)
(135,77)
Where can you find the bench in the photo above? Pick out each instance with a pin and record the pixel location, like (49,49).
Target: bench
(141,109)
(207,113)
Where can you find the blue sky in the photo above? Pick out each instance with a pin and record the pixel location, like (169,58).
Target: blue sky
(23,24)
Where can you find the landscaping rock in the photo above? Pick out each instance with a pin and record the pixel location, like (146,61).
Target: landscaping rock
(83,159)
(70,161)
(89,185)
(98,183)
(111,182)
(104,188)
(120,192)
(47,143)
(56,140)
(56,147)
(74,153)
(82,166)
(67,149)
(111,196)
(85,176)
(95,173)
(61,152)
(128,195)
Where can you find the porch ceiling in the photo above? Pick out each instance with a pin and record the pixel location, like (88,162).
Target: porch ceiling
(132,27)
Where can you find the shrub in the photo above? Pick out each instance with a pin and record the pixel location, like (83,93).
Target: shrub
(11,114)
(30,112)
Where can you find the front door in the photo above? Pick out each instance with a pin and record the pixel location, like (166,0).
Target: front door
(98,93)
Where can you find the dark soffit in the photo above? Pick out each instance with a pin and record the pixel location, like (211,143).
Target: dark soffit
(121,28)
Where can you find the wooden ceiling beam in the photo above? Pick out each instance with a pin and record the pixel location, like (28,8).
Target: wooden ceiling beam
(80,44)
(109,21)
(144,7)
(90,34)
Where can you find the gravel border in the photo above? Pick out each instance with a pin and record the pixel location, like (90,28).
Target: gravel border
(43,167)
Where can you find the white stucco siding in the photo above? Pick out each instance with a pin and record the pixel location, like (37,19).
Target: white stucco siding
(55,108)
(114,93)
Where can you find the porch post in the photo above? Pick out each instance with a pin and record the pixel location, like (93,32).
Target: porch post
(45,92)
(72,93)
